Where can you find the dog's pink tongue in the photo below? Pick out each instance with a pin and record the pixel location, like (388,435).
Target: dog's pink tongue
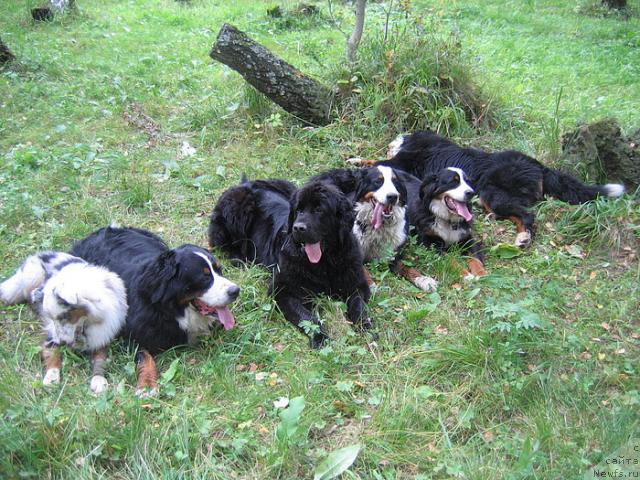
(313,251)
(376,220)
(226,318)
(462,210)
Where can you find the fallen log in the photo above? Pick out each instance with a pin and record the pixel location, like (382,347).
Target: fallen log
(285,85)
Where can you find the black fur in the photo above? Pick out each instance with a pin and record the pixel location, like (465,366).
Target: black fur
(250,220)
(160,282)
(507,182)
(276,225)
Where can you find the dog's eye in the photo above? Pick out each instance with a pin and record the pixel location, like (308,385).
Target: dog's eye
(456,178)
(206,271)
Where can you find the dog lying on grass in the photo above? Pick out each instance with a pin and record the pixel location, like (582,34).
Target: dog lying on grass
(305,237)
(80,305)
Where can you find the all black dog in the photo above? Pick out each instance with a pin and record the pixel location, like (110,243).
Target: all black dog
(306,237)
(508,182)
(173,295)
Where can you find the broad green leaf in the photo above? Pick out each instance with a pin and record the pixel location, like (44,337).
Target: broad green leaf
(171,372)
(337,462)
(290,419)
(505,250)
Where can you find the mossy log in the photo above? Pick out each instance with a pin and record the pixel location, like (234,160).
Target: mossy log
(600,153)
(285,85)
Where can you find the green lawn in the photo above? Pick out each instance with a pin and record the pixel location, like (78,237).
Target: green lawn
(531,372)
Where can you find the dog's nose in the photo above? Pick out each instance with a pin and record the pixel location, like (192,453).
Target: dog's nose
(233,292)
(468,194)
(299,227)
(392,197)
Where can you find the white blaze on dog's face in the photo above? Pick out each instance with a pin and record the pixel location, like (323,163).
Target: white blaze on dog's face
(379,187)
(462,192)
(216,298)
(387,192)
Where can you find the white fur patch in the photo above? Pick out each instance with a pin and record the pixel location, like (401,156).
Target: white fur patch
(443,222)
(614,189)
(395,146)
(29,276)
(356,161)
(51,376)
(146,392)
(377,243)
(98,291)
(194,324)
(523,239)
(98,384)
(426,283)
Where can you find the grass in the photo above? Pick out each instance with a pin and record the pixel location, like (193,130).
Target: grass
(529,373)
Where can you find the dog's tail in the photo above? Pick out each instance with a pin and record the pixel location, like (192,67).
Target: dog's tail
(18,288)
(569,189)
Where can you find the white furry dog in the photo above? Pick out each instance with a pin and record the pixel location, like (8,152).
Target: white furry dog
(80,305)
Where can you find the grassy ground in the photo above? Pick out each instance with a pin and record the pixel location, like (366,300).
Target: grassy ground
(530,373)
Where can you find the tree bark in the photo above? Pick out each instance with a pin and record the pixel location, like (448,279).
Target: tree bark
(617,4)
(5,54)
(356,35)
(295,92)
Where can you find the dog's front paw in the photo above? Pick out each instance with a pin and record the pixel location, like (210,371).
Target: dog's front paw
(425,283)
(318,340)
(523,239)
(51,376)
(147,392)
(98,384)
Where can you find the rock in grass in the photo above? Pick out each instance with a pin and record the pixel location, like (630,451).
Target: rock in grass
(599,152)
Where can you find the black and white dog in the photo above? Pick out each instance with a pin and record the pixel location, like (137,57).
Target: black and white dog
(305,236)
(508,183)
(175,295)
(80,305)
(440,214)
(379,195)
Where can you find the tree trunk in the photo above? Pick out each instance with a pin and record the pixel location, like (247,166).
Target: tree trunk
(617,4)
(298,94)
(356,35)
(5,54)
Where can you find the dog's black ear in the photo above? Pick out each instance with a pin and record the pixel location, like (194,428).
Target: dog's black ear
(158,281)
(360,186)
(293,206)
(402,189)
(428,187)
(345,216)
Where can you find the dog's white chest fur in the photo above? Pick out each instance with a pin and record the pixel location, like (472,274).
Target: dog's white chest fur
(194,324)
(378,243)
(447,234)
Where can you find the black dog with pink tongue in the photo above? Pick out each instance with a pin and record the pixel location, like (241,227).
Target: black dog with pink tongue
(320,255)
(304,236)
